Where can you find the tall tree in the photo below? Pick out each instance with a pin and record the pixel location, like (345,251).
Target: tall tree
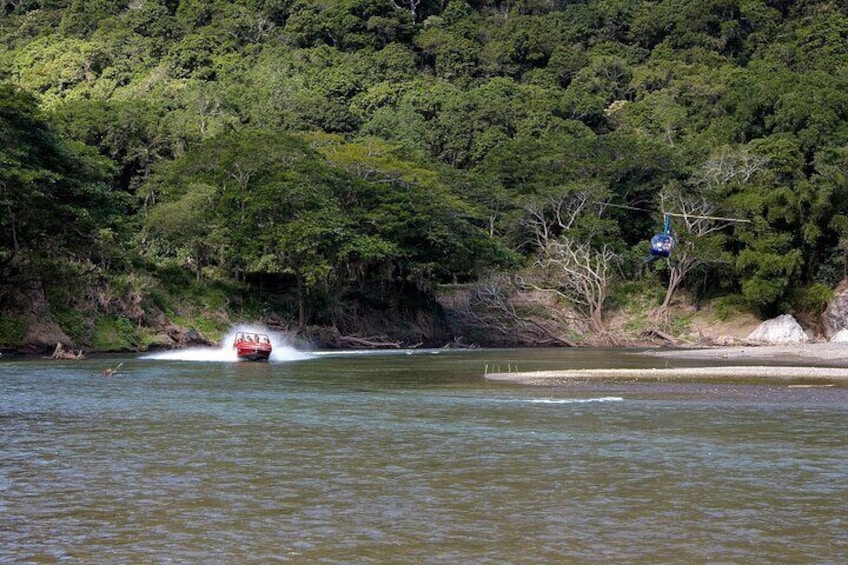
(54,197)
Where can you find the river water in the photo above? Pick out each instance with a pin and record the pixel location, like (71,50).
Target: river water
(413,457)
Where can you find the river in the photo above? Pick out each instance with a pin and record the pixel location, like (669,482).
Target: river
(412,457)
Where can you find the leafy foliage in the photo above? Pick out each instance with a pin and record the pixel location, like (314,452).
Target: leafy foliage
(326,150)
(351,215)
(54,197)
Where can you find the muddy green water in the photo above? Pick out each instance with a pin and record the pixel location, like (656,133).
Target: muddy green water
(412,457)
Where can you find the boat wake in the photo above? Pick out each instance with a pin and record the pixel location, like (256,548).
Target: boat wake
(575,400)
(225,353)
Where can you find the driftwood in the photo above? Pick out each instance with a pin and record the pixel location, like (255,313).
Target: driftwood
(459,343)
(606,339)
(368,342)
(556,337)
(662,335)
(60,353)
(110,371)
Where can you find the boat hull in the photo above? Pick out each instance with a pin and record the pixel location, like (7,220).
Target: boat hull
(254,355)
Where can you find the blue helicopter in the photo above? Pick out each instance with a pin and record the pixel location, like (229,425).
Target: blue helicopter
(662,244)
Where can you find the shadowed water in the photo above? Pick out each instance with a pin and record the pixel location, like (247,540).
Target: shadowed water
(413,458)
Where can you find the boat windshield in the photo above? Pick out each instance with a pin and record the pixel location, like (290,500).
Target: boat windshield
(252,337)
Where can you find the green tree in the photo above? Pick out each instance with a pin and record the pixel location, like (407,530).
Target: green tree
(347,25)
(185,228)
(768,264)
(134,134)
(55,201)
(82,17)
(437,234)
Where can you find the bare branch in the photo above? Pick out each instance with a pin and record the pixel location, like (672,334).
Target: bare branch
(548,219)
(580,273)
(493,305)
(732,165)
(412,8)
(695,210)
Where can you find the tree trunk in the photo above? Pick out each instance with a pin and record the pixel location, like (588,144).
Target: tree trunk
(301,301)
(674,279)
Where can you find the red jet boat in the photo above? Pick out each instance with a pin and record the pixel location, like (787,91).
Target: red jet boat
(251,346)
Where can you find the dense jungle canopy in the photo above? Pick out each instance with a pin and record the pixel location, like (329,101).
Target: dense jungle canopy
(318,161)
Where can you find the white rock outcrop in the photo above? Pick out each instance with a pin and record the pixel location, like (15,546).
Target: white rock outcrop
(835,316)
(840,337)
(777,331)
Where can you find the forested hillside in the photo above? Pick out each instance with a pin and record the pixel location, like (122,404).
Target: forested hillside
(339,164)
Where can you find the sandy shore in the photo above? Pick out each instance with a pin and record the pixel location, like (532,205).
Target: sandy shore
(805,353)
(820,362)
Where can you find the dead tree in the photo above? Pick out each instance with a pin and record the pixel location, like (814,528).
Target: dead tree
(580,274)
(410,6)
(697,234)
(493,305)
(697,226)
(559,215)
(730,166)
(61,353)
(546,220)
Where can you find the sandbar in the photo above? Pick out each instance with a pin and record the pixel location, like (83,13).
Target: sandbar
(812,362)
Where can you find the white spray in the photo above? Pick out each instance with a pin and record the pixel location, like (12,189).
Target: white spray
(225,352)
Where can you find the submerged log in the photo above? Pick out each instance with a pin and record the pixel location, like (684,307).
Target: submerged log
(110,371)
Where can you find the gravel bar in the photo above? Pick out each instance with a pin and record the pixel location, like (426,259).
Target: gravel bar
(672,374)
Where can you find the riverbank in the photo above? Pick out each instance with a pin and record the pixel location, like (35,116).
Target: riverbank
(815,354)
(818,362)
